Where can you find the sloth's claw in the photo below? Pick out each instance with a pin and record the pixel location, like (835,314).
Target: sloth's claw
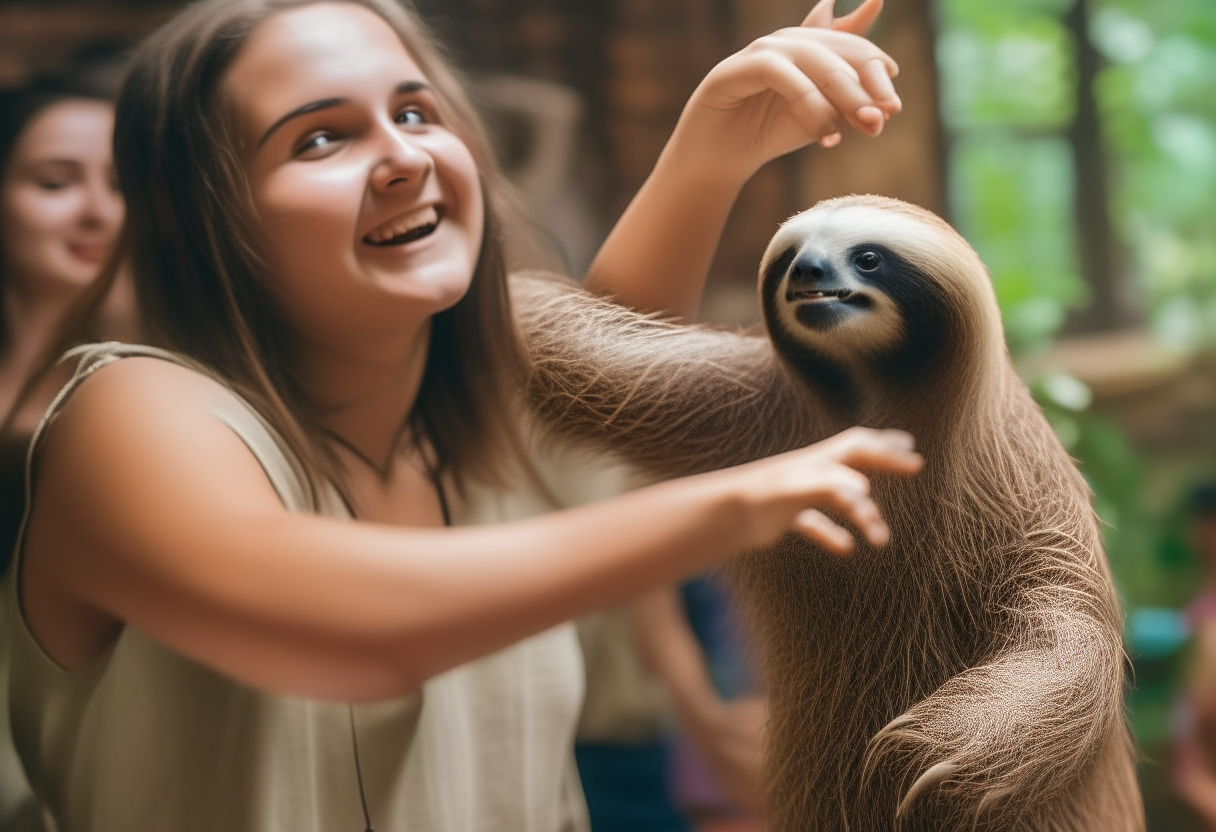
(932,777)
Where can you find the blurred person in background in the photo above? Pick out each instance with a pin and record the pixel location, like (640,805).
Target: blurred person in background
(694,639)
(1195,743)
(60,212)
(670,735)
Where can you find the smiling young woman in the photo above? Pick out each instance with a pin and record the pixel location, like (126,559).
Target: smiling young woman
(239,529)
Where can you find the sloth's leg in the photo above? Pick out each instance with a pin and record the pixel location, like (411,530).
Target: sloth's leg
(670,399)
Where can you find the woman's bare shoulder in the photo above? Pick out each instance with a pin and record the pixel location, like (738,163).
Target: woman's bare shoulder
(150,419)
(135,482)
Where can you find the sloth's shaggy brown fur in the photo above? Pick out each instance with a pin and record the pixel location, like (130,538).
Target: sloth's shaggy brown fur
(969,675)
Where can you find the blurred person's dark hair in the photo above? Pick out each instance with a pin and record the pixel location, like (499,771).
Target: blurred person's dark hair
(94,72)
(1201,502)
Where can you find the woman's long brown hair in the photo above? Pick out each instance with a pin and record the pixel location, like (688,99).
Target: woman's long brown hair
(201,283)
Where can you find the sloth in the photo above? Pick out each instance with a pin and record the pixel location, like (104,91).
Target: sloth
(967,676)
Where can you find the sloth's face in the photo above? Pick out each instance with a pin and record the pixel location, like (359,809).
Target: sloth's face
(833,279)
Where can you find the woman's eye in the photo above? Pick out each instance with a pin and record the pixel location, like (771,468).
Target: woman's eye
(317,144)
(411,117)
(52,184)
(867,261)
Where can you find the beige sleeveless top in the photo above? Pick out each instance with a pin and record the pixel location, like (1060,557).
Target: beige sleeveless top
(150,740)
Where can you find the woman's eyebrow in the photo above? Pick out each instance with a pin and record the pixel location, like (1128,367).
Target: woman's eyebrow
(404,88)
(303,109)
(55,162)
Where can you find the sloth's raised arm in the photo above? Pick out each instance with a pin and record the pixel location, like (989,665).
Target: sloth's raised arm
(671,399)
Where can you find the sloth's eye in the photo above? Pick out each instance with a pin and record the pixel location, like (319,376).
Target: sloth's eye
(867,261)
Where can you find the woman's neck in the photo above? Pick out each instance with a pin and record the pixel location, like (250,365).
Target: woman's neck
(365,392)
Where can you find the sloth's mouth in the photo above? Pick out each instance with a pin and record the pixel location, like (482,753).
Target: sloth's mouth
(819,295)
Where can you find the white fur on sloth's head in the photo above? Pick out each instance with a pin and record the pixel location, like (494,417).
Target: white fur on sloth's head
(867,321)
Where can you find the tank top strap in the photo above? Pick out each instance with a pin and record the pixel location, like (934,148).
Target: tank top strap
(282,466)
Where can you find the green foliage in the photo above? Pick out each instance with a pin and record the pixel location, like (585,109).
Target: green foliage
(1007,76)
(1012,198)
(1008,72)
(1158,100)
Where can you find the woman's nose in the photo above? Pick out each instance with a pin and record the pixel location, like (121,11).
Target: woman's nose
(404,163)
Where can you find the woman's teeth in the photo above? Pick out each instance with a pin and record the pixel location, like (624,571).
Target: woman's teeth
(405,228)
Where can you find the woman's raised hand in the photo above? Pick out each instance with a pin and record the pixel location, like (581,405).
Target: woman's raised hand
(786,90)
(787,492)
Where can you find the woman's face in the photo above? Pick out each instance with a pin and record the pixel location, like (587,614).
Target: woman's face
(60,207)
(369,208)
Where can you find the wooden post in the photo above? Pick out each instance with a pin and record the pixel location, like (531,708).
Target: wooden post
(1103,261)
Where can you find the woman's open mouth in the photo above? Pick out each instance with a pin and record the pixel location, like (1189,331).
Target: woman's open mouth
(406,228)
(819,295)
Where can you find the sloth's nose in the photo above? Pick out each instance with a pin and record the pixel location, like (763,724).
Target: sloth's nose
(810,272)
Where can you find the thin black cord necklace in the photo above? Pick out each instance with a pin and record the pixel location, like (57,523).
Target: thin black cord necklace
(354,740)
(435,473)
(381,472)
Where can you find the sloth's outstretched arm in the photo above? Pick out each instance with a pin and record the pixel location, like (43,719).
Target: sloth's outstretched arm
(671,399)
(1032,723)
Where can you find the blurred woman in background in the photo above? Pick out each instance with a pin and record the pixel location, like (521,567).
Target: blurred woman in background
(60,211)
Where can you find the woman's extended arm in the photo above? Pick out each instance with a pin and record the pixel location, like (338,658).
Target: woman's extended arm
(784,91)
(149,511)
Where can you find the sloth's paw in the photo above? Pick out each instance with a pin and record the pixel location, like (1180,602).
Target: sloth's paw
(930,767)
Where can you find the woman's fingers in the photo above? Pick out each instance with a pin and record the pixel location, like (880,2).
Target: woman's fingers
(851,501)
(880,450)
(816,115)
(856,22)
(847,493)
(823,15)
(816,527)
(824,478)
(877,83)
(853,48)
(843,68)
(859,21)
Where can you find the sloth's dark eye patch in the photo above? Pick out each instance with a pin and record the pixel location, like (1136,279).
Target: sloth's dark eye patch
(867,261)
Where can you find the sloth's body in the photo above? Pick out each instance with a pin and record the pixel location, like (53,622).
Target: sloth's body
(969,675)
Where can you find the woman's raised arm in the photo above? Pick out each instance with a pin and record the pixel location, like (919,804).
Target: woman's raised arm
(794,87)
(149,511)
